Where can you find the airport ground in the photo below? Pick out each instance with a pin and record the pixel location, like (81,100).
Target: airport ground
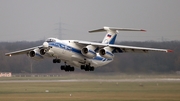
(78,87)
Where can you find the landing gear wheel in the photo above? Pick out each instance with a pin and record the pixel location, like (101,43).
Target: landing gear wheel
(67,68)
(71,69)
(83,67)
(87,67)
(56,61)
(62,67)
(91,68)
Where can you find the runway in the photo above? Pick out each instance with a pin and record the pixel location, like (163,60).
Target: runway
(97,80)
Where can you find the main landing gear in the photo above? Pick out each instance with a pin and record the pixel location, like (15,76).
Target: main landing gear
(87,68)
(67,68)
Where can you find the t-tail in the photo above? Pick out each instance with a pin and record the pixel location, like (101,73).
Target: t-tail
(112,33)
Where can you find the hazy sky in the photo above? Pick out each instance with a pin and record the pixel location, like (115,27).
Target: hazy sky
(33,20)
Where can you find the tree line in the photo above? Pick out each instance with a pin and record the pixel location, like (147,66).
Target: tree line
(152,62)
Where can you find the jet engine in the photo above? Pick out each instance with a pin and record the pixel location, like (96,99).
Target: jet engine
(88,51)
(35,54)
(46,52)
(42,51)
(106,52)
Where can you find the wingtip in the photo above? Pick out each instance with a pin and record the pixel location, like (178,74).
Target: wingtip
(8,55)
(168,51)
(143,30)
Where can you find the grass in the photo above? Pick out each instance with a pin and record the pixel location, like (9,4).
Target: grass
(90,91)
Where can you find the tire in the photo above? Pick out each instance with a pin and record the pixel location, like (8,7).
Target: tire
(91,68)
(72,69)
(58,61)
(54,61)
(82,67)
(62,67)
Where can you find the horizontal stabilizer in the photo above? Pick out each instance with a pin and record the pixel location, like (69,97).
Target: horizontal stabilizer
(115,29)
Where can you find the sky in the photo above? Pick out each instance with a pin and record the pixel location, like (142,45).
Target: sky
(32,20)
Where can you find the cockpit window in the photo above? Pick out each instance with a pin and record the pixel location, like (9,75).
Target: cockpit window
(50,40)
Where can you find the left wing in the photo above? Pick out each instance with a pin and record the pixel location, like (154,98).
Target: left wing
(122,48)
(24,51)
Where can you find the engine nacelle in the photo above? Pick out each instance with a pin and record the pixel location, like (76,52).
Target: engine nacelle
(106,52)
(48,53)
(88,51)
(35,54)
(42,51)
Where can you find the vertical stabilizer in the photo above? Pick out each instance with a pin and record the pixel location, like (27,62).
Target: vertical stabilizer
(110,37)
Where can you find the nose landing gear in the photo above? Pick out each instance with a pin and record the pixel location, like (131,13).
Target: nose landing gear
(56,61)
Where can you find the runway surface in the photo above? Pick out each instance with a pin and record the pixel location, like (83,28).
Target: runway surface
(97,80)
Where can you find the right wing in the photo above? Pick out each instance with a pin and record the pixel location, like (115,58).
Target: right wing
(24,51)
(122,48)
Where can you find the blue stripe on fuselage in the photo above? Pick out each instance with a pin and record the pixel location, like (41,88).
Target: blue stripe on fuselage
(77,51)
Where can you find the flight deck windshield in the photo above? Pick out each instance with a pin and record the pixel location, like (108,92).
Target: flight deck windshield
(50,40)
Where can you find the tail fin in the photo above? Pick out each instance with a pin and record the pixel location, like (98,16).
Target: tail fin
(112,33)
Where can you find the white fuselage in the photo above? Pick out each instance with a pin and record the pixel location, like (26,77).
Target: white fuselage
(70,52)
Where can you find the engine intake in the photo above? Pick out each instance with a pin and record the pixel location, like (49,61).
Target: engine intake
(106,52)
(32,53)
(42,51)
(88,51)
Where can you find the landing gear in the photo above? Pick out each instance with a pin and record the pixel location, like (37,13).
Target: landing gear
(67,68)
(56,61)
(87,68)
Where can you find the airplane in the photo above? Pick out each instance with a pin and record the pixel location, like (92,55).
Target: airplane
(83,54)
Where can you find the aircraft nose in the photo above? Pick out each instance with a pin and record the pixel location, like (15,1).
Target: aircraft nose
(45,44)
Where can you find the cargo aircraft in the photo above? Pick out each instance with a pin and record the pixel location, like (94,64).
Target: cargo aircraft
(83,54)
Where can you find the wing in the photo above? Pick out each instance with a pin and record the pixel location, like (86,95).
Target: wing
(24,51)
(122,48)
